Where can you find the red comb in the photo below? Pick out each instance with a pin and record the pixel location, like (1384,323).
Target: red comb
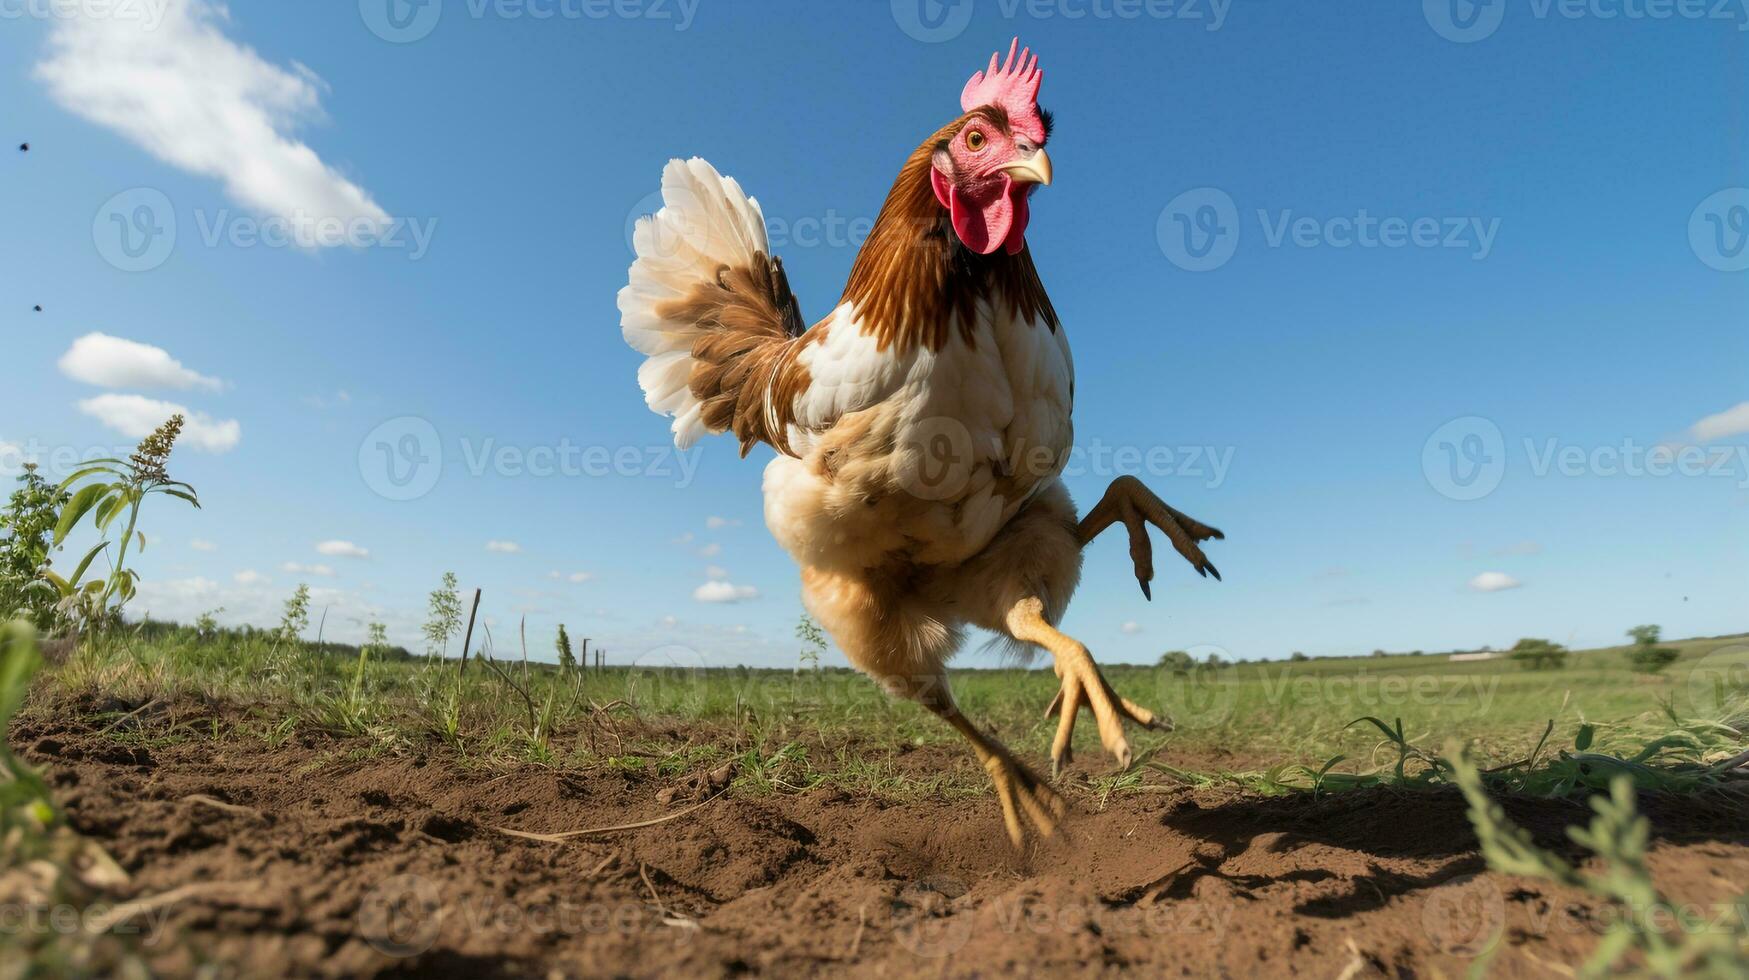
(1014,86)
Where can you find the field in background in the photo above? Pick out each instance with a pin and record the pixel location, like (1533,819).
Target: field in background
(1249,717)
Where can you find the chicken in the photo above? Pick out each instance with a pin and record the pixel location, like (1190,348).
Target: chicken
(920,428)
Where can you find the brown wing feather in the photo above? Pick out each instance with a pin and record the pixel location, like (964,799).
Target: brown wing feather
(745,370)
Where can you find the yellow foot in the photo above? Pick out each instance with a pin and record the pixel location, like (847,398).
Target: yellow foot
(1084,684)
(1129,500)
(1027,802)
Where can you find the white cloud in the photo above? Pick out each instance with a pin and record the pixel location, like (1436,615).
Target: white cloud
(715,572)
(199,101)
(341,549)
(298,568)
(576,578)
(1733,421)
(710,550)
(111,362)
(135,416)
(1130,628)
(1494,582)
(720,591)
(202,544)
(718,523)
(250,576)
(685,537)
(503,547)
(248,600)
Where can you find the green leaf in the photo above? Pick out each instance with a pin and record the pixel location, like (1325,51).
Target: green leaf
(76,508)
(89,467)
(1583,740)
(142,535)
(19,660)
(185,496)
(107,509)
(79,572)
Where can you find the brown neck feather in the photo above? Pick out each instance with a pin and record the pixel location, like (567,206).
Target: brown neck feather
(914,281)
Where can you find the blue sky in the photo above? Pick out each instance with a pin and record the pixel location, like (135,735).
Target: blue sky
(1552,200)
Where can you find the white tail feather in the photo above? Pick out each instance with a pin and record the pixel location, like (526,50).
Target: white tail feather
(706,222)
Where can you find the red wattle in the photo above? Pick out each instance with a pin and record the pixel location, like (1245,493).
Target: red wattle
(985,226)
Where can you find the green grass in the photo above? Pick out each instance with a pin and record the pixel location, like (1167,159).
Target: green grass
(1260,725)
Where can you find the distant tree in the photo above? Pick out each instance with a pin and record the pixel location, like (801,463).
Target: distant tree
(813,643)
(376,638)
(1299,658)
(296,618)
(206,625)
(1214,662)
(567,658)
(25,529)
(1537,654)
(445,618)
(1378,653)
(1650,659)
(1646,636)
(1177,661)
(1646,656)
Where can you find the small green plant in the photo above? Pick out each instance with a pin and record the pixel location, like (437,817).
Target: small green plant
(376,642)
(1715,947)
(445,619)
(567,657)
(43,861)
(26,526)
(115,487)
(813,644)
(296,617)
(1532,653)
(1646,656)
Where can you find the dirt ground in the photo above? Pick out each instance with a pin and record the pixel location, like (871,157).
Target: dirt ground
(296,861)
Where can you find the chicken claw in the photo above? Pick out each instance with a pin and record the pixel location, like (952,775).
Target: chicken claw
(1129,500)
(1083,684)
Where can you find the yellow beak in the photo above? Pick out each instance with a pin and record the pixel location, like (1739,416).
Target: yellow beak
(1035,170)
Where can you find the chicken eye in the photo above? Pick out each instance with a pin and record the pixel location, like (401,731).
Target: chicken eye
(974,141)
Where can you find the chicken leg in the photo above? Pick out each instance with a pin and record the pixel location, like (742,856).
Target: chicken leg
(1026,800)
(1130,501)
